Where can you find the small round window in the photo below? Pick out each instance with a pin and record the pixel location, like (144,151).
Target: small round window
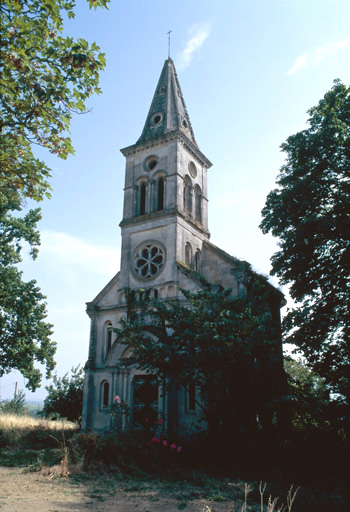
(150,163)
(157,118)
(193,169)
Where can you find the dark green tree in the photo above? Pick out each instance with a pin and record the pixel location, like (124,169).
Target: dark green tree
(227,346)
(17,405)
(24,334)
(65,395)
(309,395)
(309,213)
(45,78)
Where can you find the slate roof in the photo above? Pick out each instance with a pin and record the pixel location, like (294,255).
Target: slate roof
(168,110)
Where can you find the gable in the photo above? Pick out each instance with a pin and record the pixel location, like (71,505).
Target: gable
(108,296)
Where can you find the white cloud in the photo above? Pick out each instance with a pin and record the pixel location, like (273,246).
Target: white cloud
(76,253)
(299,63)
(198,34)
(331,49)
(328,51)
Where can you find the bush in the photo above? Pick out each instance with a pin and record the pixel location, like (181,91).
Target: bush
(65,396)
(16,405)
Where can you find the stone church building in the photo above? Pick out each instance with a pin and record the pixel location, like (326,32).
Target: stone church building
(164,235)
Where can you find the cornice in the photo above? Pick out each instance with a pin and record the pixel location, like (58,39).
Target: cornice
(168,137)
(171,212)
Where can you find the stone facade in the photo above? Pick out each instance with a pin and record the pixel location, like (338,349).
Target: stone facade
(164,233)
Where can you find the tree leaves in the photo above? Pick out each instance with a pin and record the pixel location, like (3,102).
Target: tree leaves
(309,213)
(65,395)
(24,334)
(45,78)
(215,341)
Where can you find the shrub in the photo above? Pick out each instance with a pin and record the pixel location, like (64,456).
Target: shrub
(16,405)
(65,395)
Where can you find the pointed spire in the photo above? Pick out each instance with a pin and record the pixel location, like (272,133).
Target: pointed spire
(168,110)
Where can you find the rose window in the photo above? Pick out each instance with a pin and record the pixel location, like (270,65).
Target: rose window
(149,261)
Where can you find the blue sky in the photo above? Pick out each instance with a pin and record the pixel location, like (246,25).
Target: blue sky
(248,70)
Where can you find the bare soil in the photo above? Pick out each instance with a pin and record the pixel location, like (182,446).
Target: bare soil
(23,491)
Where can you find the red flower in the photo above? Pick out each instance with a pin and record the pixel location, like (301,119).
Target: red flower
(179,449)
(158,440)
(148,444)
(165,443)
(154,440)
(146,420)
(160,422)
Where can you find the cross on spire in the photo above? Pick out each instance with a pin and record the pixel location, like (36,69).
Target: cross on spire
(170,31)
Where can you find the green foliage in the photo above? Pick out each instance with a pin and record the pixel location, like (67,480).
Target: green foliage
(310,396)
(65,395)
(309,213)
(18,458)
(24,334)
(17,405)
(45,78)
(228,346)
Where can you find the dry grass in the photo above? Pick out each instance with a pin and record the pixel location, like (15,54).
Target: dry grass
(271,505)
(25,423)
(25,431)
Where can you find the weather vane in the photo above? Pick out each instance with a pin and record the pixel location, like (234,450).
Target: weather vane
(170,31)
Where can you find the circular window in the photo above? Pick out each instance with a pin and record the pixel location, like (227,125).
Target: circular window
(150,163)
(149,260)
(162,89)
(193,169)
(157,118)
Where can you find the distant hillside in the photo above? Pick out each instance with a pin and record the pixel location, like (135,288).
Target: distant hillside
(34,407)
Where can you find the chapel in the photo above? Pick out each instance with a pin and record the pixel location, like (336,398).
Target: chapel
(165,243)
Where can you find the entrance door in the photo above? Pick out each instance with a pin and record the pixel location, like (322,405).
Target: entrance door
(145,404)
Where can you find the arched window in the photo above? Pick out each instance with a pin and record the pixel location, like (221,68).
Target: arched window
(108,338)
(187,195)
(197,262)
(198,204)
(188,254)
(160,194)
(105,394)
(155,293)
(142,198)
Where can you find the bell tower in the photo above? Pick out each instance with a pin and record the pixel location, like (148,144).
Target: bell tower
(165,216)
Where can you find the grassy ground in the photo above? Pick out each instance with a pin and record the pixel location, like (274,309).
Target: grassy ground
(200,478)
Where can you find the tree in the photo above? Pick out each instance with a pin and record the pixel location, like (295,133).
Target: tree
(65,395)
(24,334)
(45,78)
(309,213)
(229,347)
(17,405)
(309,393)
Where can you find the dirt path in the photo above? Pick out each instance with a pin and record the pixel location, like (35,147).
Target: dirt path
(21,491)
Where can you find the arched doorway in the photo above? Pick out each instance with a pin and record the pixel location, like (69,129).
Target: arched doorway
(145,400)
